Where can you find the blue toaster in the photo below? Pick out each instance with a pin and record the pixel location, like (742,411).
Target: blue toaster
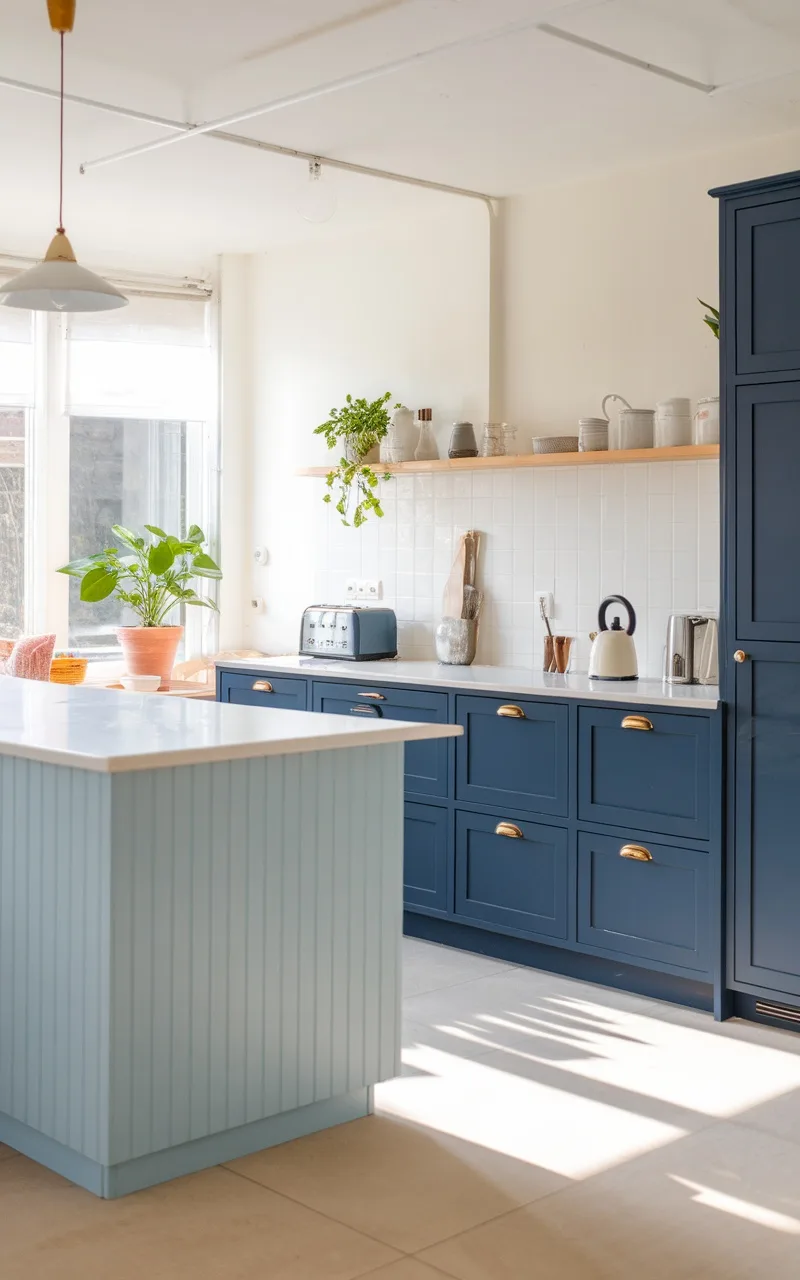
(345,632)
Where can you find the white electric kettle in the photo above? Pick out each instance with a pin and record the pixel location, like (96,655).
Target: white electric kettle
(613,655)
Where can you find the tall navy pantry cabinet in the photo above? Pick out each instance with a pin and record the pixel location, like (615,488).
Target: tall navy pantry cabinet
(760,638)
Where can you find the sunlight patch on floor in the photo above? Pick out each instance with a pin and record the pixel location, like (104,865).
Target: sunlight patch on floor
(757,1213)
(552,1128)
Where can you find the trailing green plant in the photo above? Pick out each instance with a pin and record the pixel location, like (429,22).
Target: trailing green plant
(152,577)
(360,425)
(712,319)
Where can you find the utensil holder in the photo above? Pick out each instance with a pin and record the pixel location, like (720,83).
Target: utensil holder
(557,654)
(456,641)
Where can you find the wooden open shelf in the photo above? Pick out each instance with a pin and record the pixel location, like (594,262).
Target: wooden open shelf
(600,458)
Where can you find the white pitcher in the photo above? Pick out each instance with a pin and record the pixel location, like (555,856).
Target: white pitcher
(634,429)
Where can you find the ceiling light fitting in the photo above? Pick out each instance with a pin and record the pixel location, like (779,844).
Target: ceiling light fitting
(319,200)
(59,283)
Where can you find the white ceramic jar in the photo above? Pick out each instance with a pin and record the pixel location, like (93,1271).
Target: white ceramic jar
(592,435)
(706,421)
(399,442)
(673,423)
(634,428)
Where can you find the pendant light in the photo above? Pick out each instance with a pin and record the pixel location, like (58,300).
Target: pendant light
(59,283)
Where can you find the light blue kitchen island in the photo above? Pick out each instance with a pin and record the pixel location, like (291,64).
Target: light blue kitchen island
(200,926)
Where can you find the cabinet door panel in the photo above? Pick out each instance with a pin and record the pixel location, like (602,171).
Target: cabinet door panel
(767,513)
(658,779)
(767,820)
(426,762)
(517,882)
(768,287)
(262,689)
(425,857)
(648,910)
(517,762)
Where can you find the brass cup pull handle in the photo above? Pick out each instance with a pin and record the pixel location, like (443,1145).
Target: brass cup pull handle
(377,697)
(636,722)
(509,829)
(636,853)
(511,712)
(263,686)
(365,711)
(740,656)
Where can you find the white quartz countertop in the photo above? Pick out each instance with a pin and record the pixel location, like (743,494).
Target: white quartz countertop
(504,680)
(116,732)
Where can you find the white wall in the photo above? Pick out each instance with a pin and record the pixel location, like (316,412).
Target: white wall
(596,292)
(406,311)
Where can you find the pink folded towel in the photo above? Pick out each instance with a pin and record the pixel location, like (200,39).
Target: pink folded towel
(31,657)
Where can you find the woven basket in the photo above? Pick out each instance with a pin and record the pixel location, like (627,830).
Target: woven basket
(68,670)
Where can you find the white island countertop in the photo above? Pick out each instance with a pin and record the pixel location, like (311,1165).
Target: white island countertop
(117,732)
(504,680)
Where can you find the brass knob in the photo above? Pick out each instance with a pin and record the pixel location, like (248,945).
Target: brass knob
(263,686)
(511,712)
(740,656)
(508,829)
(377,697)
(636,722)
(636,852)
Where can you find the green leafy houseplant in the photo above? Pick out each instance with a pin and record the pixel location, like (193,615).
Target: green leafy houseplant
(360,425)
(152,577)
(712,319)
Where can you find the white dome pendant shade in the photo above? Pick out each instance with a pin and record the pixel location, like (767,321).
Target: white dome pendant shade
(59,283)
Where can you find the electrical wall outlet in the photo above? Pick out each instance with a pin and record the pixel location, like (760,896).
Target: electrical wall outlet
(367,589)
(351,589)
(543,598)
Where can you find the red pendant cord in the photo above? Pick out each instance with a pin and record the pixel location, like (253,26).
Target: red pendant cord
(61,148)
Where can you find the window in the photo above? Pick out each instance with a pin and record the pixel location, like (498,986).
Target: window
(122,431)
(16,399)
(12,522)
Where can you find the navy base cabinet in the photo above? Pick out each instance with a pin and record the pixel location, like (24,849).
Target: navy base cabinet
(514,833)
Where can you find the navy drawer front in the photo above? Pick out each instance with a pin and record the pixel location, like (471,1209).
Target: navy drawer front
(425,856)
(655,910)
(658,779)
(519,883)
(426,762)
(256,690)
(513,761)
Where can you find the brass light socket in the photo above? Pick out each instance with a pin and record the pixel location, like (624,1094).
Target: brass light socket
(61,14)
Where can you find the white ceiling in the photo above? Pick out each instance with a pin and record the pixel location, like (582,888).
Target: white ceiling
(501,116)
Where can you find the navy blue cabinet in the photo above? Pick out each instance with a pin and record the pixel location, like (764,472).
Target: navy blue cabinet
(513,753)
(254,690)
(426,762)
(639,768)
(511,873)
(426,844)
(760,668)
(767,284)
(766,821)
(646,900)
(767,511)
(513,832)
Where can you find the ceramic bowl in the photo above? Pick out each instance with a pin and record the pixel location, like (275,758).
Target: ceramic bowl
(140,684)
(555,444)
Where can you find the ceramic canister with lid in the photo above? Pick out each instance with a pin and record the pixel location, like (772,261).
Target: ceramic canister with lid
(673,424)
(706,421)
(592,435)
(634,428)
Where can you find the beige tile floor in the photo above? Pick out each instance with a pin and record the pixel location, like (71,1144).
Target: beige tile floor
(543,1129)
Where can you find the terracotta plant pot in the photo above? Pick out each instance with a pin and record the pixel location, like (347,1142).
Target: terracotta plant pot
(150,651)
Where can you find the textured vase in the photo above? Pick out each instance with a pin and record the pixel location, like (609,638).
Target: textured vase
(150,651)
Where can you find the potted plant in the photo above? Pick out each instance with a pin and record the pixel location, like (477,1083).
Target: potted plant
(358,429)
(152,578)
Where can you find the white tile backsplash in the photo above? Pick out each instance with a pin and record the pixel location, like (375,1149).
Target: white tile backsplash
(649,531)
